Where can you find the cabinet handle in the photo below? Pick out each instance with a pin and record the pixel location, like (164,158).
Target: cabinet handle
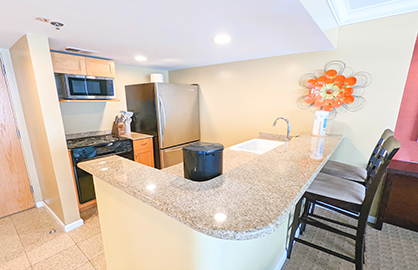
(143,143)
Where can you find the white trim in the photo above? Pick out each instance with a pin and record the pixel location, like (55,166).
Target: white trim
(345,15)
(74,225)
(39,204)
(68,227)
(281,262)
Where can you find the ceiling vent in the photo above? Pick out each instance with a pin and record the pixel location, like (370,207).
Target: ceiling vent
(78,50)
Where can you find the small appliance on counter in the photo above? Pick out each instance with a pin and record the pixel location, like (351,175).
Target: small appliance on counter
(202,161)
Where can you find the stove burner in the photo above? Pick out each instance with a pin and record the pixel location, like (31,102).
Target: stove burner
(92,141)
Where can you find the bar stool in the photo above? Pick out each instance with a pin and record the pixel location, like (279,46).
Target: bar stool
(351,172)
(346,197)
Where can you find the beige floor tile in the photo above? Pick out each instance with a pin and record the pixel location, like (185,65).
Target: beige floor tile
(89,213)
(69,259)
(90,228)
(34,218)
(92,247)
(47,249)
(34,226)
(86,266)
(17,262)
(99,262)
(12,254)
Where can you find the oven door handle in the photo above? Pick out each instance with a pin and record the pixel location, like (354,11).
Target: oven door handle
(107,155)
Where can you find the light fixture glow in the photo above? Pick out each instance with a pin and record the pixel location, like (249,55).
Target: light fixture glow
(220,216)
(151,187)
(102,162)
(140,58)
(104,169)
(221,39)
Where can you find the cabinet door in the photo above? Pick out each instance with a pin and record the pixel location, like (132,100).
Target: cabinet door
(69,64)
(100,67)
(144,152)
(145,157)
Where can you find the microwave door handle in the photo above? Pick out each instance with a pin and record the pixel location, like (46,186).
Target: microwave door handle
(162,112)
(85,87)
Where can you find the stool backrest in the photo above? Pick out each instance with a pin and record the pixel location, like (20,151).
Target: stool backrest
(385,135)
(389,148)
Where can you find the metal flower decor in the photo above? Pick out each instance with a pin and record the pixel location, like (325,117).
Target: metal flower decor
(336,89)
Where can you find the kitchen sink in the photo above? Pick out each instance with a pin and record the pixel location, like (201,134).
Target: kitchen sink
(257,146)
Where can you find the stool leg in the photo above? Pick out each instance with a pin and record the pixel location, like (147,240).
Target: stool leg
(306,211)
(295,225)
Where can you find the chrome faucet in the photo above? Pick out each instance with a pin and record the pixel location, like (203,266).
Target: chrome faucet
(288,127)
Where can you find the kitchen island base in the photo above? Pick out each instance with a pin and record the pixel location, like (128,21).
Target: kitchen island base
(137,236)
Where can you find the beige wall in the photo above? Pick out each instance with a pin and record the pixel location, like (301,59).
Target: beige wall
(150,239)
(95,116)
(21,124)
(34,75)
(242,98)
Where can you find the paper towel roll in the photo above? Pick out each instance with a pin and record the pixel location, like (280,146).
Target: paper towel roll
(320,123)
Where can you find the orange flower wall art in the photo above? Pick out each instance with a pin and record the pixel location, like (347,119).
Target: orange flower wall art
(335,89)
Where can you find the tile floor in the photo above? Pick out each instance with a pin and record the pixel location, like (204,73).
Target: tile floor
(27,244)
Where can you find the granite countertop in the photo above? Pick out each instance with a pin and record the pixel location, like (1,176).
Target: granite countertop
(136,136)
(253,196)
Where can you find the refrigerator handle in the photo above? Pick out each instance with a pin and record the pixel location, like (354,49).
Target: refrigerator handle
(162,115)
(174,149)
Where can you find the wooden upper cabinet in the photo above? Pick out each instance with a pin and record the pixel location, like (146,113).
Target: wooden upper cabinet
(100,67)
(67,63)
(80,65)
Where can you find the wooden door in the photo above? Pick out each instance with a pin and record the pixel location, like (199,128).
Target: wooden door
(15,190)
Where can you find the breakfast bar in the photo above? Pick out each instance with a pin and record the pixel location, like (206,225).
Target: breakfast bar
(156,219)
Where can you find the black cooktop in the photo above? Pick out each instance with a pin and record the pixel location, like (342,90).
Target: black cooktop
(93,141)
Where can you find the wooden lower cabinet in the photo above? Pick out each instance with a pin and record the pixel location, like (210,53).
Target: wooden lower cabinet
(144,151)
(399,205)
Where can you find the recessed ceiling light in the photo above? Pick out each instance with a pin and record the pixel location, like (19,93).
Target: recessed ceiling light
(57,25)
(221,39)
(140,58)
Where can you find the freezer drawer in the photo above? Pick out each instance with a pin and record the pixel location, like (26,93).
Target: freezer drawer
(172,156)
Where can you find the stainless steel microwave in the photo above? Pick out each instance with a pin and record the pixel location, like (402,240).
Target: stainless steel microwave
(71,86)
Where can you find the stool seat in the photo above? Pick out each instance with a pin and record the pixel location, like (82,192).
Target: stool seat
(345,171)
(337,188)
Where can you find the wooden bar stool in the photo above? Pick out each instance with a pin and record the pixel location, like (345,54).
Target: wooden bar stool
(351,172)
(346,197)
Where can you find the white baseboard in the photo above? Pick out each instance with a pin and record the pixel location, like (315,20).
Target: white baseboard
(39,204)
(281,262)
(66,228)
(74,225)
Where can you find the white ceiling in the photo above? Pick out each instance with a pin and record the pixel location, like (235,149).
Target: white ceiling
(176,34)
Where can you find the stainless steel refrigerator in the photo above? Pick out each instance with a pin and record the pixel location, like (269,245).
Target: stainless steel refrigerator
(169,112)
